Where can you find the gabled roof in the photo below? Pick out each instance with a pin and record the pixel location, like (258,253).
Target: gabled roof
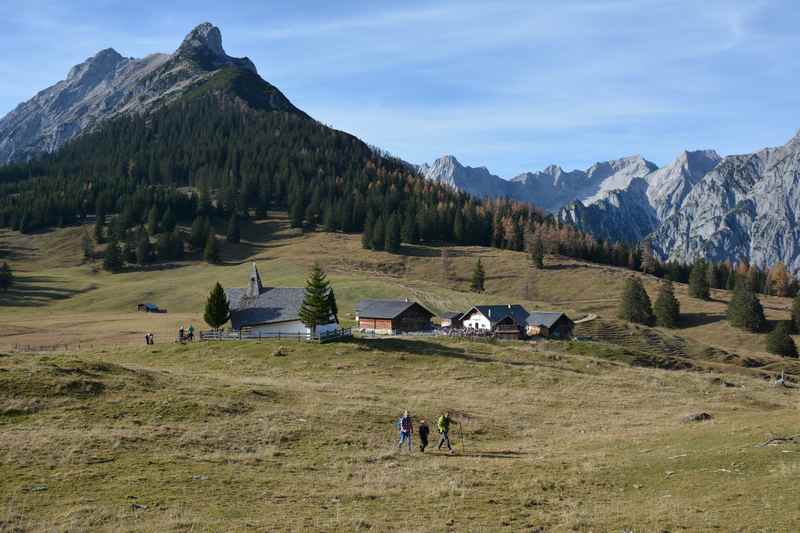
(385,309)
(545,318)
(496,313)
(272,305)
(451,315)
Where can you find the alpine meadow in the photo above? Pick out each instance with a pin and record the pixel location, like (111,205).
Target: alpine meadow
(220,313)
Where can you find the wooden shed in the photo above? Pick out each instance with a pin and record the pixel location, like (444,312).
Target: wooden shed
(554,325)
(390,317)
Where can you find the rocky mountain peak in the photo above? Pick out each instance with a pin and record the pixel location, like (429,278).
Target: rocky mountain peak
(101,64)
(205,37)
(203,46)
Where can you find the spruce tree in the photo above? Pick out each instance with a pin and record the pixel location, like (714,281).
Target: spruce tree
(409,234)
(144,251)
(199,233)
(99,230)
(392,243)
(635,303)
(379,234)
(6,277)
(153,219)
(112,260)
(537,253)
(211,250)
(744,309)
(667,308)
(87,245)
(234,233)
(796,314)
(730,283)
(478,277)
(217,310)
(780,342)
(316,309)
(366,235)
(698,281)
(168,221)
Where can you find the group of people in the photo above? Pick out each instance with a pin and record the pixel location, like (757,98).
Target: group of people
(406,427)
(149,338)
(185,335)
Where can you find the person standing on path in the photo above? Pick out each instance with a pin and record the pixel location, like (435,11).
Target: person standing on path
(423,430)
(443,425)
(406,429)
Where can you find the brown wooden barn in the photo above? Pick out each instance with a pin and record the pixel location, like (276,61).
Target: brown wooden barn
(549,325)
(390,317)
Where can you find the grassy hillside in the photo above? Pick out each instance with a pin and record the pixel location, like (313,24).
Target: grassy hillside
(61,299)
(234,437)
(105,433)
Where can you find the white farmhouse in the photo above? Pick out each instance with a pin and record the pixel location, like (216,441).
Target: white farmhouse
(270,310)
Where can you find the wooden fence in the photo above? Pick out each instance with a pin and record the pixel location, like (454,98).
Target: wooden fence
(215,335)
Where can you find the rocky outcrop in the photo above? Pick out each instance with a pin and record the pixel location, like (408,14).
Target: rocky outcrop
(549,189)
(109,84)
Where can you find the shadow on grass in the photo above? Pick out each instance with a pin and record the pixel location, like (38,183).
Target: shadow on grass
(690,320)
(419,347)
(36,291)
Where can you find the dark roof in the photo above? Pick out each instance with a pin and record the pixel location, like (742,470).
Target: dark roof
(451,315)
(386,309)
(272,305)
(546,319)
(496,313)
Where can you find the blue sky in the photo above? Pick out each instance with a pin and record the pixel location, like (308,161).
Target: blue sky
(513,85)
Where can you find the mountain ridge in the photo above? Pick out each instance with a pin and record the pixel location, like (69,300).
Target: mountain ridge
(107,85)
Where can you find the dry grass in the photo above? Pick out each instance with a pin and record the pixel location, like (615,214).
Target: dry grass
(107,434)
(211,437)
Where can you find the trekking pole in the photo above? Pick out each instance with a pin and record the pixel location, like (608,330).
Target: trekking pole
(461,436)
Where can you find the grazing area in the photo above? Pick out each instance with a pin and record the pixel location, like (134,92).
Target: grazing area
(630,427)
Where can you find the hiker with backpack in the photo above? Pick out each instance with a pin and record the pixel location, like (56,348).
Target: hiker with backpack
(423,430)
(443,425)
(406,428)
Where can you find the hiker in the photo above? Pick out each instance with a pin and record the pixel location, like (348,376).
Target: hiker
(147,338)
(152,338)
(180,333)
(191,332)
(443,424)
(423,431)
(405,430)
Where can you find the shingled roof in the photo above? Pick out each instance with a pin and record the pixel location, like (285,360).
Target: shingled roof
(384,309)
(255,304)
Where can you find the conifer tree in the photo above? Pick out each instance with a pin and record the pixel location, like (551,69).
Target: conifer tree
(87,245)
(112,260)
(366,235)
(780,342)
(409,234)
(378,234)
(144,251)
(667,308)
(698,281)
(153,219)
(537,253)
(744,309)
(211,250)
(796,314)
(635,303)
(99,230)
(6,277)
(316,308)
(234,233)
(199,233)
(168,221)
(392,243)
(730,283)
(217,310)
(478,277)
